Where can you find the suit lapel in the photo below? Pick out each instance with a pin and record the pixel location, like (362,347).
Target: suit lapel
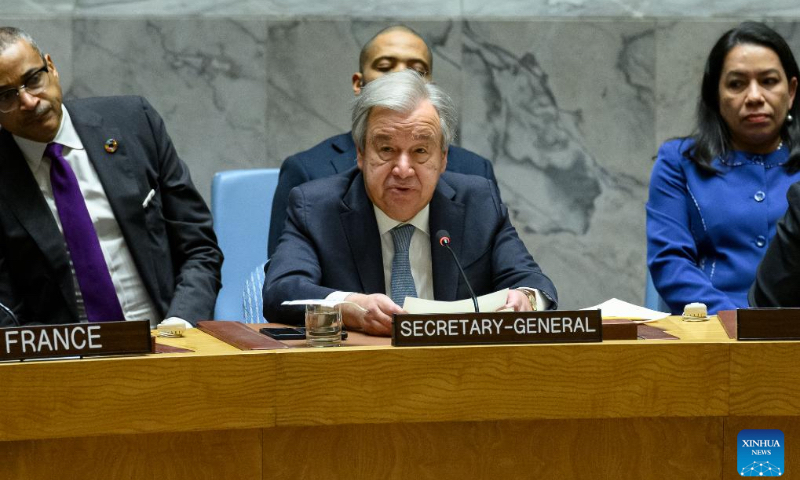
(113,168)
(346,159)
(446,214)
(361,229)
(25,200)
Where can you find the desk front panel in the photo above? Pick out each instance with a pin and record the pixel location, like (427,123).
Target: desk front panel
(211,455)
(451,384)
(607,449)
(148,394)
(645,409)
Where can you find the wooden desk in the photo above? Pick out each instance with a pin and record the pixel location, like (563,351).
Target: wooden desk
(623,409)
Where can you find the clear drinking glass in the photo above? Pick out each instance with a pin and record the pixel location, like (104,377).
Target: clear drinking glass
(323,326)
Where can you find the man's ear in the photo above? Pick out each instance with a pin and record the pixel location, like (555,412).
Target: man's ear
(358,82)
(359,158)
(50,65)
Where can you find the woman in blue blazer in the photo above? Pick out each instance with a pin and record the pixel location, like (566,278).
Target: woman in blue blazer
(716,195)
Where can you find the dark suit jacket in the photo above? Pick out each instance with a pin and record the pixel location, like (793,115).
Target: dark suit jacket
(172,242)
(778,276)
(332,243)
(336,155)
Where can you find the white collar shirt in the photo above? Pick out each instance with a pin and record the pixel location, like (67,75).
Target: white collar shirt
(419,251)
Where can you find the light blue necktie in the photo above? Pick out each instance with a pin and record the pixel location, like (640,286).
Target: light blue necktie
(402,281)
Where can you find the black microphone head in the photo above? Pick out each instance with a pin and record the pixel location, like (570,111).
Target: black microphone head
(444,237)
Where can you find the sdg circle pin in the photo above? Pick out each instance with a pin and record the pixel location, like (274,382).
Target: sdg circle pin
(111,145)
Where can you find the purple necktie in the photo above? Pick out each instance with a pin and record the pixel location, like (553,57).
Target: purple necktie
(97,289)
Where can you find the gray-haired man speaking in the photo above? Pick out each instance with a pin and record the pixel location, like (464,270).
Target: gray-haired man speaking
(369,236)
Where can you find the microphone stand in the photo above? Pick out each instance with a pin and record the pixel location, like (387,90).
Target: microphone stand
(10,314)
(445,242)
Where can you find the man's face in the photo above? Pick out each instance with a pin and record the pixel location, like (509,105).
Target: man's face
(391,52)
(38,116)
(402,159)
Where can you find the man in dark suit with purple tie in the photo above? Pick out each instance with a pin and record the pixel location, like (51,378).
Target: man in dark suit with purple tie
(99,219)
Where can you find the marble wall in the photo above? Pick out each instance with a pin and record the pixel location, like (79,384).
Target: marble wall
(569,99)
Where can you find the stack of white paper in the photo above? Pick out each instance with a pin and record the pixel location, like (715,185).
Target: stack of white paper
(619,308)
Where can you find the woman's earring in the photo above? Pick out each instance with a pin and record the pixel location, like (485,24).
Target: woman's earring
(789,118)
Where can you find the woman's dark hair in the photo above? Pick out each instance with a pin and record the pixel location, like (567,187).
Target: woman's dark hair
(712,135)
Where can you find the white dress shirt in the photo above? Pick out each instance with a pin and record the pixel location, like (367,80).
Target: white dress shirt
(419,255)
(133,297)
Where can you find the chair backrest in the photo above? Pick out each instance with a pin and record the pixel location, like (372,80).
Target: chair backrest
(252,298)
(241,203)
(652,299)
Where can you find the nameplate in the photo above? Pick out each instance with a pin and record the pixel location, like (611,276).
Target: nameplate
(75,339)
(768,324)
(496,328)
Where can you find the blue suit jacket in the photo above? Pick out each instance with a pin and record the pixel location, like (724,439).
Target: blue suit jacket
(171,241)
(332,243)
(707,233)
(336,155)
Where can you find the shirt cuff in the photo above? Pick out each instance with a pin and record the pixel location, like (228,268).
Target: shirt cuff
(542,303)
(338,296)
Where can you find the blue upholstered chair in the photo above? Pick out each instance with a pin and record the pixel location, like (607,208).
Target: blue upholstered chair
(241,203)
(652,299)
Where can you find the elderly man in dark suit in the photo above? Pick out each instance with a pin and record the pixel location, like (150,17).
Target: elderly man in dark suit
(777,281)
(99,219)
(368,236)
(392,49)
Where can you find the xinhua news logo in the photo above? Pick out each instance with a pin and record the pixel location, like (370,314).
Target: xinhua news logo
(760,453)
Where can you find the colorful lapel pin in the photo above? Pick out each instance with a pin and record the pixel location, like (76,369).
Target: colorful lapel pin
(111,145)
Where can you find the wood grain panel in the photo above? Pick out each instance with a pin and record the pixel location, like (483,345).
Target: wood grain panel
(790,426)
(229,455)
(339,386)
(136,395)
(765,378)
(200,342)
(693,332)
(658,448)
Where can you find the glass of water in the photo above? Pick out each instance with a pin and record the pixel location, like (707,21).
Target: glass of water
(323,326)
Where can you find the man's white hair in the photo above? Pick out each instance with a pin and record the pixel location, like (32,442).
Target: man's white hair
(402,92)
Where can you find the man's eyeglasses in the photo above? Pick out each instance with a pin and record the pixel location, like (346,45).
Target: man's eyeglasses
(36,83)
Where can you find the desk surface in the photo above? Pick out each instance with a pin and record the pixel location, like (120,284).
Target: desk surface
(521,404)
(692,332)
(222,387)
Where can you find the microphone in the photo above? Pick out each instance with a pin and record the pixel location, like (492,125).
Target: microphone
(10,314)
(444,240)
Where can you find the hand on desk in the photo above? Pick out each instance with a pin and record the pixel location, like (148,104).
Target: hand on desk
(517,301)
(376,316)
